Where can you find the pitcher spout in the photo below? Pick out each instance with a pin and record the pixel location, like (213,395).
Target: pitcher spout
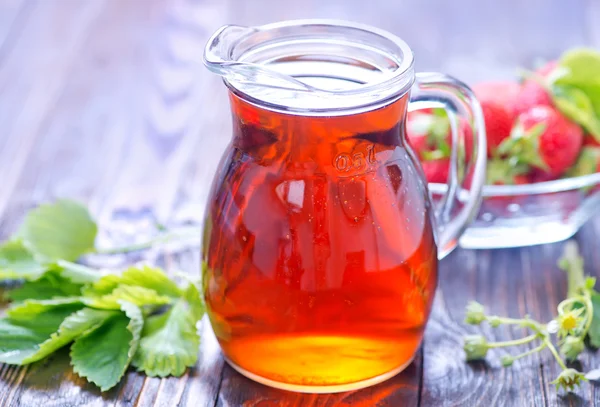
(224,53)
(218,53)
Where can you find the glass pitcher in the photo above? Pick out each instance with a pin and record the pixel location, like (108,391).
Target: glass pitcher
(321,241)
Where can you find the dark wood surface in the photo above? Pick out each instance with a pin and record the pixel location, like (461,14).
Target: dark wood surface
(106,101)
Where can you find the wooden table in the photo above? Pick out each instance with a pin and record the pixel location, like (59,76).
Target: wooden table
(106,101)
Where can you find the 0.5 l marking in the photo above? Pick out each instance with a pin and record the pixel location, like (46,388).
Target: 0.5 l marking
(346,162)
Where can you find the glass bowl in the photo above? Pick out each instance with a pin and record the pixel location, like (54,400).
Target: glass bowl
(531,214)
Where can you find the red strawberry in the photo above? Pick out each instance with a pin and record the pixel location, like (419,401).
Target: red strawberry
(538,175)
(501,92)
(545,139)
(498,124)
(436,171)
(530,95)
(496,100)
(430,132)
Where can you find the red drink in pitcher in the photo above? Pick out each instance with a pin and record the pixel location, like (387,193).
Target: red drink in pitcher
(320,256)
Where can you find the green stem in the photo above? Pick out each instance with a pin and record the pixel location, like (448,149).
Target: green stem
(530,352)
(555,353)
(569,301)
(524,322)
(507,321)
(514,342)
(589,314)
(167,237)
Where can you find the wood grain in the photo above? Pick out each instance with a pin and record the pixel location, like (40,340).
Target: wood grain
(106,101)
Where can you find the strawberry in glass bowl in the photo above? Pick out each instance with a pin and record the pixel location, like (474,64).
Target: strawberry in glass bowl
(543,136)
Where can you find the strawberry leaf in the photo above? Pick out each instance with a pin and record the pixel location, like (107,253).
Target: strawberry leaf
(139,296)
(594,332)
(103,354)
(30,325)
(433,155)
(76,273)
(152,278)
(16,262)
(50,285)
(576,105)
(63,230)
(170,341)
(523,145)
(503,172)
(73,326)
(582,66)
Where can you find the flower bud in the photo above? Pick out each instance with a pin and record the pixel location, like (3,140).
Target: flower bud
(568,379)
(475,347)
(475,313)
(494,321)
(507,360)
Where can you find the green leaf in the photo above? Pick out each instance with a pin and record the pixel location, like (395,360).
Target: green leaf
(152,278)
(73,326)
(103,354)
(577,106)
(195,302)
(30,325)
(170,341)
(523,145)
(32,308)
(16,262)
(63,230)
(50,285)
(594,332)
(583,67)
(500,171)
(77,273)
(105,285)
(139,296)
(433,155)
(587,162)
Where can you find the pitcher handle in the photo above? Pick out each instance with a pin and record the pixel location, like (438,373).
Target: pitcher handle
(435,90)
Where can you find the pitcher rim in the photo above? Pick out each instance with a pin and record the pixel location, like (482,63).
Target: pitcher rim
(397,83)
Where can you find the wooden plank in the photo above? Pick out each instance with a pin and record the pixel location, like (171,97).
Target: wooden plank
(27,96)
(141,124)
(175,117)
(494,279)
(12,15)
(551,295)
(401,390)
(122,103)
